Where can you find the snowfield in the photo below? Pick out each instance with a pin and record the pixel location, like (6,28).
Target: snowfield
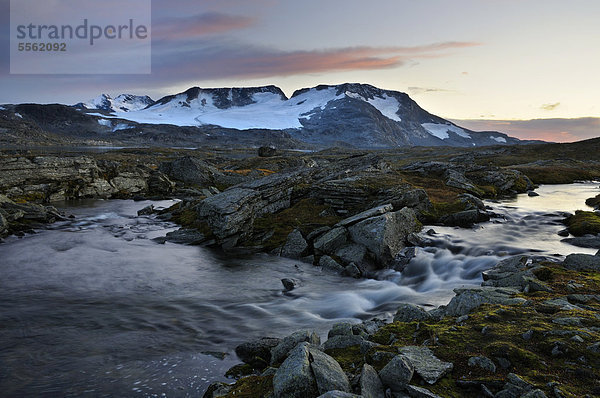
(269,110)
(441,130)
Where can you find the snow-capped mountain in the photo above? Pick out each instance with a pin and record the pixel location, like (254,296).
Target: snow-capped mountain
(353,114)
(121,103)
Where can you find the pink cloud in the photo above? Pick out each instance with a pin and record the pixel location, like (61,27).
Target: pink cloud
(199,25)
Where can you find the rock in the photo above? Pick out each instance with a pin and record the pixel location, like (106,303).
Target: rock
(397,373)
(594,347)
(330,264)
(281,350)
(462,319)
(483,363)
(289,284)
(588,241)
(582,262)
(190,170)
(257,353)
(471,202)
(340,329)
(527,335)
(342,341)
(328,373)
(416,199)
(534,394)
(532,194)
(464,218)
(217,390)
(568,321)
(514,388)
(353,253)
(370,383)
(339,394)
(160,184)
(425,364)
(316,233)
(352,270)
(458,180)
(295,245)
(564,233)
(3,225)
(331,241)
(294,378)
(146,211)
(420,392)
(471,298)
(184,236)
(403,258)
(266,151)
(384,235)
(410,312)
(562,304)
(365,214)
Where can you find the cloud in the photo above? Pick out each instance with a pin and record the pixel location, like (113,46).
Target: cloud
(199,25)
(424,90)
(556,130)
(550,107)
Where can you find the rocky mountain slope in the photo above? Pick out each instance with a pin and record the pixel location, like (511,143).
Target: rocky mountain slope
(358,115)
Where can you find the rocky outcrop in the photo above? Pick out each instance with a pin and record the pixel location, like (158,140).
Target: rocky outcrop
(294,378)
(23,217)
(469,299)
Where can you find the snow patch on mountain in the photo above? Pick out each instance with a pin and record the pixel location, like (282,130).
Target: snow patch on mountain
(121,103)
(441,130)
(499,139)
(104,122)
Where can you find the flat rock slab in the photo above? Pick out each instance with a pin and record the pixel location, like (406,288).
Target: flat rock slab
(426,365)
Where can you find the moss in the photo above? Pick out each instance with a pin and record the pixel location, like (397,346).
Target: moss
(441,209)
(188,218)
(350,359)
(558,175)
(583,222)
(31,197)
(252,387)
(304,215)
(240,370)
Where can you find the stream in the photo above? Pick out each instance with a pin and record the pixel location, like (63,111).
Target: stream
(93,306)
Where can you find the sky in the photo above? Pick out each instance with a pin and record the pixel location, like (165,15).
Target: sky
(525,67)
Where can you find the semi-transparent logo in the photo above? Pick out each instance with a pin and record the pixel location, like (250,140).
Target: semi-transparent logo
(80,36)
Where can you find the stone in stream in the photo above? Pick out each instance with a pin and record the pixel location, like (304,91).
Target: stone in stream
(587,241)
(582,262)
(257,353)
(397,373)
(384,236)
(340,329)
(329,263)
(467,299)
(295,245)
(289,284)
(331,241)
(294,378)
(328,373)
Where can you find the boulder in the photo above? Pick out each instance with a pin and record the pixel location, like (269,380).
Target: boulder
(294,378)
(352,253)
(352,270)
(281,350)
(331,241)
(582,262)
(266,151)
(328,373)
(257,353)
(397,373)
(340,329)
(410,312)
(468,299)
(420,392)
(425,364)
(190,170)
(483,363)
(295,245)
(365,214)
(385,235)
(465,218)
(342,341)
(289,284)
(330,264)
(587,241)
(339,394)
(3,225)
(370,383)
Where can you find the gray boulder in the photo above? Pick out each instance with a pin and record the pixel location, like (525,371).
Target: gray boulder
(471,298)
(397,373)
(328,373)
(190,170)
(294,378)
(582,262)
(483,363)
(370,383)
(339,394)
(257,353)
(385,235)
(331,241)
(340,329)
(365,214)
(330,264)
(3,225)
(353,253)
(352,270)
(425,364)
(342,341)
(420,392)
(465,218)
(589,241)
(289,284)
(295,245)
(410,312)
(281,350)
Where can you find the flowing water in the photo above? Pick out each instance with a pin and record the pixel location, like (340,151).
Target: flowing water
(94,307)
